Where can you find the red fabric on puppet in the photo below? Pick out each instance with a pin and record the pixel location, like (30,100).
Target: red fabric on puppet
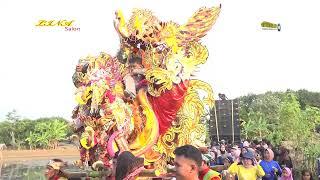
(167,105)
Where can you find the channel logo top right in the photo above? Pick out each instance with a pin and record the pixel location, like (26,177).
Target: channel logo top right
(265,25)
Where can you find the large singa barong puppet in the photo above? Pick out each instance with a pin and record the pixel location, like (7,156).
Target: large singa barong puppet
(144,99)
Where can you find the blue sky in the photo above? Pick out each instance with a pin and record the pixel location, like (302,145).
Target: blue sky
(37,63)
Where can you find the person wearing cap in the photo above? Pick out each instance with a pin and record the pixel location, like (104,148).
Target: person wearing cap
(53,170)
(227,161)
(249,170)
(205,172)
(235,153)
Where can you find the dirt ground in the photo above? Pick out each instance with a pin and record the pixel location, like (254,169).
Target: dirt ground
(20,155)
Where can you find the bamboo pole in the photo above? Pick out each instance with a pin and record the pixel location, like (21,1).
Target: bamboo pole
(216,119)
(232,122)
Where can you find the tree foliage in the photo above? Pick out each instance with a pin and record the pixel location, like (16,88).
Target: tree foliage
(307,98)
(284,117)
(40,133)
(47,134)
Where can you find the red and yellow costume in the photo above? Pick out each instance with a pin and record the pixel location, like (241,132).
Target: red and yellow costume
(162,109)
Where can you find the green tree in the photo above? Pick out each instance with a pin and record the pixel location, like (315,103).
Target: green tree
(13,116)
(40,133)
(5,129)
(32,140)
(47,133)
(259,114)
(248,127)
(307,98)
(290,116)
(284,117)
(255,126)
